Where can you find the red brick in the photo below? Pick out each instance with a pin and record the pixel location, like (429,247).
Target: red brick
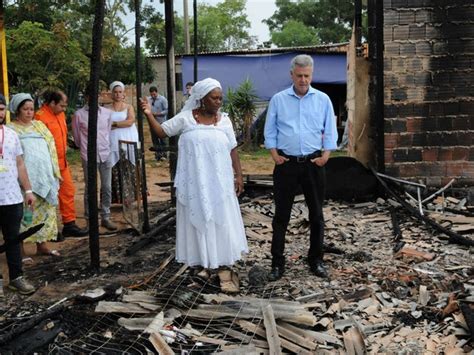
(411,170)
(416,94)
(413,124)
(439,169)
(460,153)
(405,140)
(430,154)
(388,156)
(391,140)
(454,169)
(446,154)
(468,170)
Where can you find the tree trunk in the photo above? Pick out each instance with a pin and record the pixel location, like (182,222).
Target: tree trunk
(247,132)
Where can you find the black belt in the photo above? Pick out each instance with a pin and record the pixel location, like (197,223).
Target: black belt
(300,158)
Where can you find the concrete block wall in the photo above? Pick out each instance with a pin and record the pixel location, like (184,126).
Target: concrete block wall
(429,90)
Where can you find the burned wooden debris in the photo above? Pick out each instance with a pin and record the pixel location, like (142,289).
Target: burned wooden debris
(390,289)
(453,236)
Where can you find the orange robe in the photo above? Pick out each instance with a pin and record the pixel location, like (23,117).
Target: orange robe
(57,125)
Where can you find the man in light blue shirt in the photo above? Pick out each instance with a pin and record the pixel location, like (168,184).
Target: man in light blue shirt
(159,109)
(300,132)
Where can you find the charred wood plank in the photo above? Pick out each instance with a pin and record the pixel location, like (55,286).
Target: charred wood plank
(456,211)
(453,236)
(33,339)
(296,338)
(468,314)
(151,237)
(397,232)
(245,338)
(30,323)
(22,236)
(256,329)
(181,270)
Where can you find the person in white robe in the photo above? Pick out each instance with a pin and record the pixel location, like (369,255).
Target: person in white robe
(209,227)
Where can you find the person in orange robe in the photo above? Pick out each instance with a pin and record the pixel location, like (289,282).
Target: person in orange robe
(52,115)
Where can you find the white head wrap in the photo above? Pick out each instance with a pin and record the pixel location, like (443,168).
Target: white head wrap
(199,90)
(116,83)
(17,99)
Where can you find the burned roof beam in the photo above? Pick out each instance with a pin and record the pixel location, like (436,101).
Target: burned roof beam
(453,236)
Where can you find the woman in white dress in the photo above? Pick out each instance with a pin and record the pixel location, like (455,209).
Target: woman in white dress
(123,128)
(209,228)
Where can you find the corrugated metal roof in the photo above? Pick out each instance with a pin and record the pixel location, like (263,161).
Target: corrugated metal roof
(326,48)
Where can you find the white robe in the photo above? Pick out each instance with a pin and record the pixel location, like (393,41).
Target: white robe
(209,226)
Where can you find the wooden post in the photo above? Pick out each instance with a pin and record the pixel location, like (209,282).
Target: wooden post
(170,79)
(187,44)
(97,30)
(141,148)
(195,41)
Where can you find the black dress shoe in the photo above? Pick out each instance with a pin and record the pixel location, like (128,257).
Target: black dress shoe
(319,270)
(72,230)
(276,273)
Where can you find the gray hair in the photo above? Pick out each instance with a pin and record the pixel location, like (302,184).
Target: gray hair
(301,60)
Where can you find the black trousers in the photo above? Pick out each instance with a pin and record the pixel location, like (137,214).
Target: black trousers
(10,220)
(158,144)
(288,178)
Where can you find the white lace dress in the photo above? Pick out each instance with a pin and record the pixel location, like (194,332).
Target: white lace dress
(209,227)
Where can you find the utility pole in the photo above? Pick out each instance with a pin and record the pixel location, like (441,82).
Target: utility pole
(187,45)
(195,40)
(97,31)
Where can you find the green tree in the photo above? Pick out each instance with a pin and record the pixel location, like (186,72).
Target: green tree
(35,60)
(68,23)
(226,21)
(121,66)
(295,33)
(240,106)
(332,19)
(154,31)
(40,11)
(221,27)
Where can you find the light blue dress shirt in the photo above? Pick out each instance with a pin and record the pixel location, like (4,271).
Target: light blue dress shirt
(300,125)
(159,104)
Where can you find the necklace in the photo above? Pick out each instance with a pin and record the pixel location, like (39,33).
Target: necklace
(199,118)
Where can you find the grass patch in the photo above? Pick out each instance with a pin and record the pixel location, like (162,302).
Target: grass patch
(253,154)
(257,153)
(73,156)
(339,153)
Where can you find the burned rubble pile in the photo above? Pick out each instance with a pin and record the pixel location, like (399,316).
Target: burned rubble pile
(397,285)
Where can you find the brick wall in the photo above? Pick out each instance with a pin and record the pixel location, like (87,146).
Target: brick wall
(429,90)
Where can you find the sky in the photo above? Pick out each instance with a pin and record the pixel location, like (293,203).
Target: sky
(257,10)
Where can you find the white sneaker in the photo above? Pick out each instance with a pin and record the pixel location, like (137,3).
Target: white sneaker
(108,224)
(21,285)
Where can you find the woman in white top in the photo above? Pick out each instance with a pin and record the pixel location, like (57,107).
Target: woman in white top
(209,228)
(123,128)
